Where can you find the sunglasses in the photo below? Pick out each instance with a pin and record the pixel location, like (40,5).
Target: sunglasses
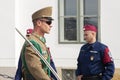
(49,22)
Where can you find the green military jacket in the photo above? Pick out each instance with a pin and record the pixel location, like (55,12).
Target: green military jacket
(33,68)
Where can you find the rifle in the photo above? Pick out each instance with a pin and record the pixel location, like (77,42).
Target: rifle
(40,55)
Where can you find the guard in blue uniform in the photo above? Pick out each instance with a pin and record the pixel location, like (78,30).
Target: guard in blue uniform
(94,61)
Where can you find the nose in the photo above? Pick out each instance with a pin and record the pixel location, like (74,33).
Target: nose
(50,26)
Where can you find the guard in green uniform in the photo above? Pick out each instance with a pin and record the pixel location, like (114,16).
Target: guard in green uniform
(33,68)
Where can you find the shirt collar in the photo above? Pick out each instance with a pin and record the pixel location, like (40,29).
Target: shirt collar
(41,38)
(93,44)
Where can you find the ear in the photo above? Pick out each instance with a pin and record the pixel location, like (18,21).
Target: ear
(94,33)
(38,23)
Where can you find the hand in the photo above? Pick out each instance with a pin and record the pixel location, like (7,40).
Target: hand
(51,78)
(79,77)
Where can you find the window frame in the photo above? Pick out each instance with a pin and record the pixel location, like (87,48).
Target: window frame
(79,22)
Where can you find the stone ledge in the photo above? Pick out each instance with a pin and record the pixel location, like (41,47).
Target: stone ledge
(8,71)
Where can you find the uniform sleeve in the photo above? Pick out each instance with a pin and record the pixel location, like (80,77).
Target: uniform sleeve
(108,64)
(34,65)
(18,74)
(77,72)
(52,65)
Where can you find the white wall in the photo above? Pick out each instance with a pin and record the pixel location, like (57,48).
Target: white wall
(7,24)
(110,30)
(64,55)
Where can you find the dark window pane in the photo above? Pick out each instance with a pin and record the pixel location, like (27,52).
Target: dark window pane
(91,20)
(90,7)
(70,31)
(70,7)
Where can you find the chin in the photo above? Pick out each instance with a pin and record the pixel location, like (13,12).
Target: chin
(47,32)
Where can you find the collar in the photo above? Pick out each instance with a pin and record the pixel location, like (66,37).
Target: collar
(93,44)
(41,38)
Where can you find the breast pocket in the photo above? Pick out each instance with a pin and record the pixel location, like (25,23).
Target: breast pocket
(96,63)
(95,56)
(45,54)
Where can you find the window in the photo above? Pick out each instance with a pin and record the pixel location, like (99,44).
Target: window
(73,15)
(68,74)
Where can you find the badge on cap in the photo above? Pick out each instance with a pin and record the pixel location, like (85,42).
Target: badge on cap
(92,58)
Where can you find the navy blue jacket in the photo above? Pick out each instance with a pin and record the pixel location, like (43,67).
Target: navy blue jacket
(18,75)
(95,59)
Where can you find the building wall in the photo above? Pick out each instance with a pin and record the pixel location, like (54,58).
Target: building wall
(64,55)
(7,38)
(110,27)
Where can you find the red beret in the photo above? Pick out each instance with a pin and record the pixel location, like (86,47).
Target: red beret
(29,31)
(90,28)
